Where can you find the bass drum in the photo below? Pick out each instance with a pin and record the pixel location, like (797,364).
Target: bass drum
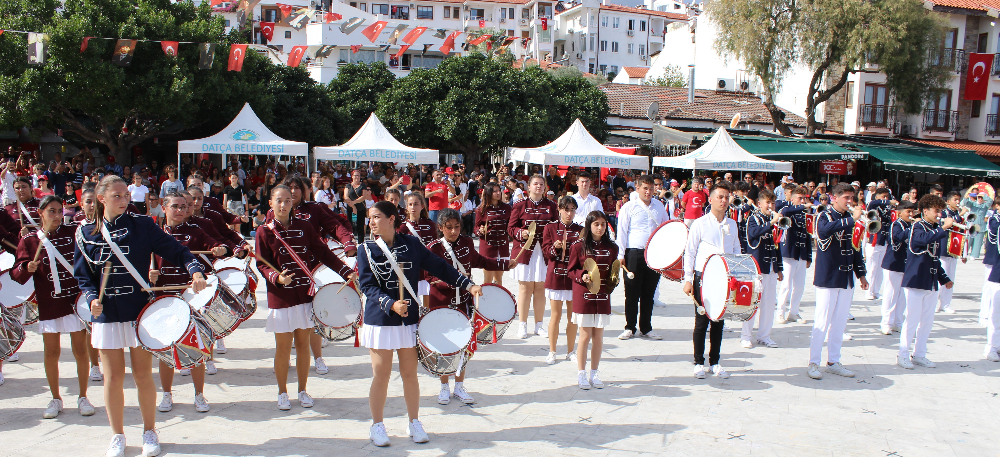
(665,250)
(730,287)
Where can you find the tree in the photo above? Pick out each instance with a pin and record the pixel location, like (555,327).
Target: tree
(300,108)
(355,93)
(672,76)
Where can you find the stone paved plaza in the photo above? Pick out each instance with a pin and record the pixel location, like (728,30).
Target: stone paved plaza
(652,404)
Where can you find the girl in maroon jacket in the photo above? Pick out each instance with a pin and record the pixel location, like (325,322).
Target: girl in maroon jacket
(556,241)
(460,252)
(592,312)
(491,225)
(530,271)
(293,246)
(418,224)
(51,268)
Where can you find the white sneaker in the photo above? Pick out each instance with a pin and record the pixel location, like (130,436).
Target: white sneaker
(444,397)
(746,344)
(117,447)
(886,330)
(86,409)
(284,403)
(324,343)
(848,337)
(948,310)
(416,431)
(1,379)
(13,357)
(461,394)
(850,316)
(767,342)
(184,372)
(150,444)
(551,358)
(200,404)
(904,362)
(305,400)
(53,410)
(720,372)
(897,329)
(540,330)
(992,356)
(651,335)
(571,356)
(799,319)
(699,371)
(627,334)
(840,370)
(924,362)
(595,380)
(869,297)
(167,403)
(522,330)
(582,381)
(95,374)
(321,367)
(210,368)
(220,346)
(814,371)
(378,435)
(782,319)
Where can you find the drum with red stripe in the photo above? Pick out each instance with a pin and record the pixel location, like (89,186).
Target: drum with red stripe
(665,250)
(731,286)
(174,332)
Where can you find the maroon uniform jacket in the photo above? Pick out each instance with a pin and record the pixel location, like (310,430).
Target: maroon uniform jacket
(585,302)
(495,242)
(557,261)
(426,229)
(208,227)
(522,215)
(326,223)
(50,304)
(443,294)
(14,211)
(10,231)
(301,237)
(227,234)
(195,239)
(80,217)
(214,204)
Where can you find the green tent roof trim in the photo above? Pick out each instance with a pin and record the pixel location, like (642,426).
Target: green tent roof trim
(931,160)
(797,150)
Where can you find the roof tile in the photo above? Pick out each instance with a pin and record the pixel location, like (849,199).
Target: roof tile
(636,72)
(983,149)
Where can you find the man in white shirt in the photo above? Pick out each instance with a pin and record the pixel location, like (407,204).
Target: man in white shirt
(636,221)
(585,201)
(713,233)
(7,177)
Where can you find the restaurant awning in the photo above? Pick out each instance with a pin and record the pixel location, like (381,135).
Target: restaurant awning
(931,160)
(796,149)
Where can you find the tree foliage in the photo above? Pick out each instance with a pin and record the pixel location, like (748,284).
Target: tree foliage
(672,76)
(355,93)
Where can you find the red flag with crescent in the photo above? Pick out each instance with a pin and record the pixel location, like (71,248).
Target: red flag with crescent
(83,47)
(449,43)
(330,17)
(193,341)
(956,243)
(169,48)
(236,54)
(413,35)
(372,31)
(296,54)
(743,292)
(858,235)
(267,30)
(401,51)
(355,48)
(215,2)
(482,23)
(977,80)
(479,39)
(545,23)
(285,9)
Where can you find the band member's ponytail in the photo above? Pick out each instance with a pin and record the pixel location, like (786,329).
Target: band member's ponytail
(101,189)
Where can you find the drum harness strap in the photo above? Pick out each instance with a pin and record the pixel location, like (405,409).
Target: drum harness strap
(121,257)
(395,266)
(54,255)
(458,266)
(295,257)
(896,247)
(26,214)
(414,232)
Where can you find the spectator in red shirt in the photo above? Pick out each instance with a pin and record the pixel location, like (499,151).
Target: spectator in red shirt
(436,193)
(693,202)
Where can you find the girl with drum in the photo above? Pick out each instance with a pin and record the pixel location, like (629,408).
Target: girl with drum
(527,222)
(87,201)
(292,245)
(390,320)
(46,258)
(119,242)
(592,311)
(556,241)
(492,217)
(459,251)
(419,224)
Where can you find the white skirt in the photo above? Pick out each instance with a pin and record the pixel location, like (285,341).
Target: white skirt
(423,288)
(560,295)
(287,320)
(66,324)
(592,320)
(113,335)
(534,270)
(390,337)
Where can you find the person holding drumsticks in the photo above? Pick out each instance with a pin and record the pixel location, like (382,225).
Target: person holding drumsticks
(388,268)
(110,255)
(537,211)
(46,258)
(419,224)
(492,217)
(458,250)
(592,311)
(87,201)
(556,241)
(761,245)
(288,251)
(637,220)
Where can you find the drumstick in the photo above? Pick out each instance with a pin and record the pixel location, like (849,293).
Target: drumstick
(268,264)
(38,252)
(628,273)
(201,252)
(104,281)
(161,288)
(342,286)
(697,306)
(8,243)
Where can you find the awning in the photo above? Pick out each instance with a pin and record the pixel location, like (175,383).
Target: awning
(796,150)
(931,160)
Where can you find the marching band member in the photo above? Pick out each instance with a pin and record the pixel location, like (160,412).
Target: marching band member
(741,211)
(56,291)
(835,261)
(419,224)
(761,245)
(920,280)
(212,203)
(556,241)
(390,320)
(796,254)
(592,312)
(492,217)
(100,244)
(24,211)
(637,220)
(530,269)
(87,202)
(292,245)
(713,233)
(894,264)
(876,247)
(234,241)
(950,264)
(460,251)
(166,274)
(990,257)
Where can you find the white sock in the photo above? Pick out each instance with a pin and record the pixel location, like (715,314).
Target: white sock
(583,372)
(445,384)
(592,373)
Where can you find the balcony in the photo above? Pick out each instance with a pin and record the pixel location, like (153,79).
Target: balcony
(996,65)
(877,116)
(992,126)
(940,120)
(948,58)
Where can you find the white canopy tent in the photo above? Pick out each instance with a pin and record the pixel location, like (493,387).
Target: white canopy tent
(722,153)
(246,134)
(373,143)
(577,148)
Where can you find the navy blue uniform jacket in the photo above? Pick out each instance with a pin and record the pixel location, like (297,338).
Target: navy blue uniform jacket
(836,257)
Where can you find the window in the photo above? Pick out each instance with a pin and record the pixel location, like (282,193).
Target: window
(630,48)
(984,39)
(614,69)
(631,24)
(604,45)
(992,126)
(454,13)
(875,111)
(510,32)
(614,46)
(593,20)
(510,13)
(525,14)
(977,106)
(614,23)
(938,115)
(425,12)
(476,14)
(288,34)
(604,21)
(353,5)
(642,49)
(677,6)
(850,94)
(364,7)
(603,69)
(503,13)
(545,10)
(592,39)
(447,12)
(227,22)
(642,26)
(400,12)
(380,8)
(272,15)
(591,68)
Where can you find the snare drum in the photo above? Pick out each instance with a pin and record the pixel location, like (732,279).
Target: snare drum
(323,275)
(7,261)
(496,310)
(11,332)
(240,264)
(174,333)
(82,310)
(337,315)
(730,287)
(443,339)
(665,250)
(239,284)
(20,298)
(218,305)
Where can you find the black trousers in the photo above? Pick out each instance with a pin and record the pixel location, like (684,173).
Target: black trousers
(701,326)
(639,292)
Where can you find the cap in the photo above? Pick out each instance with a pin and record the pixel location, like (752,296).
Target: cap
(448,170)
(550,193)
(673,181)
(43,178)
(856,183)
(871,184)
(111,158)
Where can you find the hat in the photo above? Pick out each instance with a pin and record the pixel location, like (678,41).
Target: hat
(43,178)
(448,170)
(871,184)
(550,193)
(856,183)
(673,181)
(111,158)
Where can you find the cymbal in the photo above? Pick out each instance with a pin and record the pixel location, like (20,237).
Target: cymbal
(615,275)
(595,275)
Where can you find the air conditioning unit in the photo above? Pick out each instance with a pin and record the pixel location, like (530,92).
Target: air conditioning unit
(909,129)
(579,56)
(465,7)
(412,5)
(643,58)
(524,22)
(631,33)
(503,19)
(725,84)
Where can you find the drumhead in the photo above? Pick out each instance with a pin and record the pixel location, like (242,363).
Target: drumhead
(83,309)
(666,245)
(497,303)
(14,293)
(200,300)
(324,275)
(335,309)
(715,286)
(445,331)
(6,261)
(229,262)
(163,322)
(233,278)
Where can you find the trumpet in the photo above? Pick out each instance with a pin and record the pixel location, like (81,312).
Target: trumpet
(668,195)
(820,208)
(871,215)
(784,222)
(970,229)
(970,218)
(870,220)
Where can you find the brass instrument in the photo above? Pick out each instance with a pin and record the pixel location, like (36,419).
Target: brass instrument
(668,195)
(590,266)
(969,229)
(870,220)
(784,222)
(821,208)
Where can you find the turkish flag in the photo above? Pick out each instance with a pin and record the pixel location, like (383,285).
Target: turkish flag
(449,43)
(267,30)
(482,23)
(295,56)
(330,17)
(479,39)
(743,290)
(858,235)
(545,23)
(355,48)
(236,54)
(215,2)
(169,48)
(978,80)
(401,51)
(285,9)
(413,35)
(372,31)
(955,244)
